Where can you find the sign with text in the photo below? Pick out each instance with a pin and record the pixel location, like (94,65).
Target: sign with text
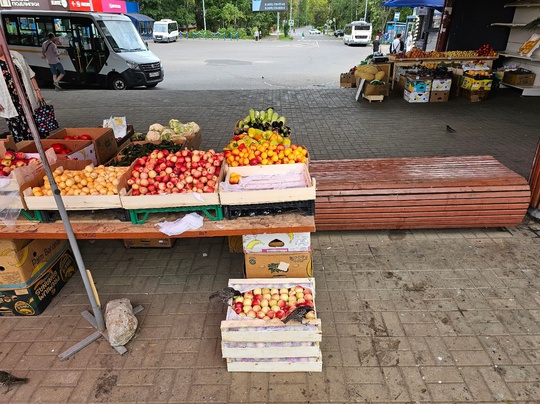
(56,5)
(110,6)
(269,5)
(80,5)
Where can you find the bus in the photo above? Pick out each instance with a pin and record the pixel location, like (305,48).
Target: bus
(97,49)
(165,31)
(357,33)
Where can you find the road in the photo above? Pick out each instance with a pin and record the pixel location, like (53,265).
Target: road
(205,64)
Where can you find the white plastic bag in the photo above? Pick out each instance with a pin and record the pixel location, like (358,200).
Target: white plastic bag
(117,124)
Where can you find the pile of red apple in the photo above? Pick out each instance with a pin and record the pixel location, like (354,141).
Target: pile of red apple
(84,136)
(12,160)
(185,171)
(269,303)
(60,148)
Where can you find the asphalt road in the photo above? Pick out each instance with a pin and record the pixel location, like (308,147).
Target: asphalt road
(206,64)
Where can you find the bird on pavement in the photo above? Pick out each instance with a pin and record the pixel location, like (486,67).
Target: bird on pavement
(7,379)
(449,129)
(225,295)
(298,314)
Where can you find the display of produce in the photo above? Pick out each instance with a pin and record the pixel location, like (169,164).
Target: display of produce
(91,180)
(417,53)
(13,160)
(369,72)
(267,303)
(84,136)
(136,150)
(175,131)
(60,148)
(185,171)
(268,120)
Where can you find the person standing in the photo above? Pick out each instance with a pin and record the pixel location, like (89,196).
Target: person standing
(396,45)
(376,44)
(256,34)
(10,101)
(50,51)
(409,42)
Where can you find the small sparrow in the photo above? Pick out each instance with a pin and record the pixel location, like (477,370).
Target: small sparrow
(298,314)
(7,379)
(225,295)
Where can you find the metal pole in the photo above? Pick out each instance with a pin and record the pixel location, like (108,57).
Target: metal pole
(56,192)
(290,14)
(365,12)
(204,14)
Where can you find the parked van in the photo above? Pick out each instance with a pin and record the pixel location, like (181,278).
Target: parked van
(357,33)
(165,31)
(103,50)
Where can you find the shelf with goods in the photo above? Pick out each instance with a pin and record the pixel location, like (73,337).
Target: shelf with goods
(525,13)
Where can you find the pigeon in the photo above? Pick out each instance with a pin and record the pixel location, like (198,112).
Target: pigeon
(7,379)
(449,129)
(225,295)
(298,314)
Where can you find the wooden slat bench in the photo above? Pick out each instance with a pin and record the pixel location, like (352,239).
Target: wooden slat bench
(418,193)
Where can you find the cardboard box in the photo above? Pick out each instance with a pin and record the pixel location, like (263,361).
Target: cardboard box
(149,243)
(20,263)
(258,345)
(194,143)
(71,202)
(439,96)
(80,149)
(347,80)
(414,97)
(469,83)
(370,89)
(441,84)
(519,79)
(399,85)
(33,297)
(105,144)
(418,84)
(279,242)
(235,244)
(278,265)
(475,96)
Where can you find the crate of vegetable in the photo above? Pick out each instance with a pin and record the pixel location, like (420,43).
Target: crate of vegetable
(259,333)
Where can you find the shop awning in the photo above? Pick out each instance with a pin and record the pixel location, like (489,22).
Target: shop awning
(437,4)
(139,17)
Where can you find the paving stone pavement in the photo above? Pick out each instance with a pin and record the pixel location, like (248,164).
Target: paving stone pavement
(423,316)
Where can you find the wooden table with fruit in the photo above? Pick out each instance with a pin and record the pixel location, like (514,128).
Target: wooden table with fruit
(418,57)
(166,181)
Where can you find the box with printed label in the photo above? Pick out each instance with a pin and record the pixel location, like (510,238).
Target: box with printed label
(279,242)
(76,149)
(469,83)
(519,79)
(415,97)
(32,298)
(149,243)
(105,143)
(475,96)
(441,84)
(418,84)
(21,260)
(278,265)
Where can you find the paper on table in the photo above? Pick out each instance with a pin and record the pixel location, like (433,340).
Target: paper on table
(191,221)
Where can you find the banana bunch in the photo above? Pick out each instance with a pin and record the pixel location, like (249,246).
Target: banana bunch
(264,120)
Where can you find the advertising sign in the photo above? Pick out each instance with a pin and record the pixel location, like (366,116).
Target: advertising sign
(269,5)
(80,5)
(110,6)
(56,5)
(396,16)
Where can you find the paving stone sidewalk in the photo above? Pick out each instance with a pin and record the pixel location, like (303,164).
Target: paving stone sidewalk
(423,316)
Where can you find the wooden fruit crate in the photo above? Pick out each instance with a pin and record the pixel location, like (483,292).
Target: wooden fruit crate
(255,345)
(71,202)
(267,184)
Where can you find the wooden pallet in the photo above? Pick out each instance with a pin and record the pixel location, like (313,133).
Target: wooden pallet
(420,192)
(370,98)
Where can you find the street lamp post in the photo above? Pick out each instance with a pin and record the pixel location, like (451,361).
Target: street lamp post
(204,14)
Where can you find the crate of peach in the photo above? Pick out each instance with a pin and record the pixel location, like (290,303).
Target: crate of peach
(272,326)
(163,179)
(83,186)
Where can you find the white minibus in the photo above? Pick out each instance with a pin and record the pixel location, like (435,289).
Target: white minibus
(98,49)
(165,31)
(357,33)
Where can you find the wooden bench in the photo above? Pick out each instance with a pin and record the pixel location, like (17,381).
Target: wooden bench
(418,193)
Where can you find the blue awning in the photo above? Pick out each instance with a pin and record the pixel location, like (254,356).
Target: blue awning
(139,17)
(437,4)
